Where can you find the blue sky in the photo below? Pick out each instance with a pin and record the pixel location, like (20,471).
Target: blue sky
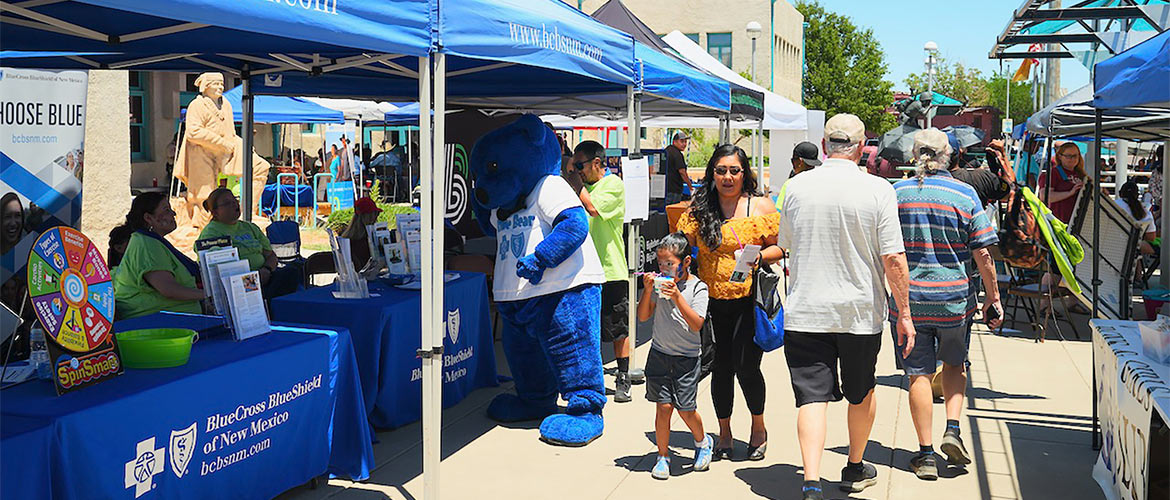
(964,31)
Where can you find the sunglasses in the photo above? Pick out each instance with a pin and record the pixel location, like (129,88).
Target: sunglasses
(725,170)
(580,165)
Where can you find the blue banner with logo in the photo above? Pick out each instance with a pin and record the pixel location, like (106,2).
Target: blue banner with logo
(386,338)
(339,195)
(253,418)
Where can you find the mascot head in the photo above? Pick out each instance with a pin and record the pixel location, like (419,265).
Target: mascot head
(506,163)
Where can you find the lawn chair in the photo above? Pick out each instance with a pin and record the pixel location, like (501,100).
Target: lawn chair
(285,237)
(318,263)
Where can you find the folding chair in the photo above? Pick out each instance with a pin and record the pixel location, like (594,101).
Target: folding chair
(285,237)
(318,263)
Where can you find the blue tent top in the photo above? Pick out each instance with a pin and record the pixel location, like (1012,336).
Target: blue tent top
(1139,77)
(280,109)
(406,114)
(666,77)
(938,99)
(185,28)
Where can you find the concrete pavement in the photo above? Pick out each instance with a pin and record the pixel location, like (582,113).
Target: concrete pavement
(1027,425)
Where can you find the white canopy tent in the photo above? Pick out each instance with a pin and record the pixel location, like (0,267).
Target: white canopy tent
(357,109)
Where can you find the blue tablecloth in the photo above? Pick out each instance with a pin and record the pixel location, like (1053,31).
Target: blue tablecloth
(386,331)
(244,419)
(290,196)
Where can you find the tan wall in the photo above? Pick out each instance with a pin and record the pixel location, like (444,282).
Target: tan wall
(106,180)
(731,16)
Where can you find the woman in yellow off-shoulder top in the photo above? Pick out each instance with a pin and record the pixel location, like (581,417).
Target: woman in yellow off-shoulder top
(726,214)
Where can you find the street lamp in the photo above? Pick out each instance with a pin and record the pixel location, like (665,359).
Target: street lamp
(753,31)
(931,50)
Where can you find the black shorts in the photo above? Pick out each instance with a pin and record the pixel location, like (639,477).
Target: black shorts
(615,310)
(813,360)
(673,380)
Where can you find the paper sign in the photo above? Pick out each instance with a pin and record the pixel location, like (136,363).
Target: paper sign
(636,174)
(208,259)
(657,186)
(219,296)
(410,232)
(743,263)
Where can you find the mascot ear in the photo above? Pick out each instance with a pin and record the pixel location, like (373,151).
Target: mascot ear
(532,128)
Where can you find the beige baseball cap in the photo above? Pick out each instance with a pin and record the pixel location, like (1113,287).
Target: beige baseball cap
(933,140)
(844,128)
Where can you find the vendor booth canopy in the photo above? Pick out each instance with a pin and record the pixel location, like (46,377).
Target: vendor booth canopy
(1073,115)
(1137,77)
(280,109)
(183,35)
(367,112)
(779,112)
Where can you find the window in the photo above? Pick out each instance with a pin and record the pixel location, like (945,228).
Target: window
(139,117)
(694,37)
(719,46)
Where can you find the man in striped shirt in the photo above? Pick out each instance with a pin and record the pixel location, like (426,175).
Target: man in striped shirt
(944,228)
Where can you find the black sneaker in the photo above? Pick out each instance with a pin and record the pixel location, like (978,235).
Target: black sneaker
(952,445)
(611,370)
(622,389)
(857,478)
(812,493)
(925,466)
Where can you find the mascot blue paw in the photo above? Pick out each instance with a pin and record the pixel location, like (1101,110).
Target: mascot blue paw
(529,268)
(571,430)
(510,408)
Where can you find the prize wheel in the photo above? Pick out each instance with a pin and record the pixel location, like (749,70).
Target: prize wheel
(71,289)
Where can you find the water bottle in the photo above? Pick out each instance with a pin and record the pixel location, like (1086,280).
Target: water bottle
(39,355)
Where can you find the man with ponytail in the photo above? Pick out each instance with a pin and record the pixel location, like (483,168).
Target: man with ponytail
(944,228)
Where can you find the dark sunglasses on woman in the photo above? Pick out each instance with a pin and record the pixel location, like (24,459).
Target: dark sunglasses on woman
(725,170)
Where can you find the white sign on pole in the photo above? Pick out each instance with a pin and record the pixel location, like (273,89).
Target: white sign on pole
(42,155)
(636,174)
(1008,125)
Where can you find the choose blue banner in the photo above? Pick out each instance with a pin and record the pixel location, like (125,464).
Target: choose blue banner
(252,418)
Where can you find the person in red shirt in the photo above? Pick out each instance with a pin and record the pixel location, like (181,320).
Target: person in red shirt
(1058,187)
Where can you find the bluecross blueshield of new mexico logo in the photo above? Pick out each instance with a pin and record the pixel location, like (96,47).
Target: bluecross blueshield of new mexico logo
(183,448)
(518,245)
(148,461)
(453,326)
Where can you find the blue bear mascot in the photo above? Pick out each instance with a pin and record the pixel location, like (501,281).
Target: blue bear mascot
(547,282)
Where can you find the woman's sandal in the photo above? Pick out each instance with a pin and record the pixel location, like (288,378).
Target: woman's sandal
(722,454)
(756,453)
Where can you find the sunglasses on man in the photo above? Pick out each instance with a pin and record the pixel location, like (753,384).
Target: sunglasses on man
(580,165)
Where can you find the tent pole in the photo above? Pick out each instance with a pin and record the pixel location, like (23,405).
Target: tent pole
(1096,257)
(430,434)
(439,215)
(633,113)
(246,175)
(1164,279)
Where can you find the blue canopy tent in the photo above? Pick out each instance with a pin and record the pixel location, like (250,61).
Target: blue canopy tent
(280,109)
(1132,80)
(513,54)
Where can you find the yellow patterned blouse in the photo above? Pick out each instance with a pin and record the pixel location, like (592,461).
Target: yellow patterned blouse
(715,267)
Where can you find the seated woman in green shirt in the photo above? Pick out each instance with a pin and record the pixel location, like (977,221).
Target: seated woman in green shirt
(153,275)
(251,243)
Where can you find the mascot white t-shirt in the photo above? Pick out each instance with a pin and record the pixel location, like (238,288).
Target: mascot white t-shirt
(522,231)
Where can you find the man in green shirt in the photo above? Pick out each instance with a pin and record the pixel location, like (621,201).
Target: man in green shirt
(604,198)
(251,243)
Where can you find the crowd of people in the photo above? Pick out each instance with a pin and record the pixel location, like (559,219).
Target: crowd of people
(858,251)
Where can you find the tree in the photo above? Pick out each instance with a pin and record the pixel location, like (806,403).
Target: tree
(846,68)
(956,81)
(995,88)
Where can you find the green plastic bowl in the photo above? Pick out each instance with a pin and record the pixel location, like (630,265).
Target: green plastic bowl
(156,347)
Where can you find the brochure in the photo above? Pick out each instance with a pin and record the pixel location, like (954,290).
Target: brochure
(743,263)
(410,233)
(220,297)
(249,319)
(208,259)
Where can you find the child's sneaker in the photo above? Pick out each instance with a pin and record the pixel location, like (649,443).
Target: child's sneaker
(703,455)
(661,469)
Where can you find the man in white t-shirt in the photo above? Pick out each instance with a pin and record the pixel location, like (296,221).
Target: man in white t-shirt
(841,228)
(546,282)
